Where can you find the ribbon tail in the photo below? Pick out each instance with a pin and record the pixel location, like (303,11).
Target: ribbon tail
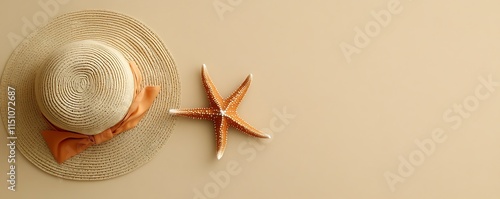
(139,107)
(64,145)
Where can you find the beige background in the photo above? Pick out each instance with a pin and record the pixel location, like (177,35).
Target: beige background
(352,121)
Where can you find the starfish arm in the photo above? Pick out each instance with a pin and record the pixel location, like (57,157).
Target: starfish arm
(234,100)
(195,113)
(221,127)
(238,123)
(213,95)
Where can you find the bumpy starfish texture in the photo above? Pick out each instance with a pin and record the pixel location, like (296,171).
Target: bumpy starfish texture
(222,112)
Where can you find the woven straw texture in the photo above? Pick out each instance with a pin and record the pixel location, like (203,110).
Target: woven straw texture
(84,87)
(128,150)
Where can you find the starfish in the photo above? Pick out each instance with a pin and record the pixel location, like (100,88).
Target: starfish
(222,112)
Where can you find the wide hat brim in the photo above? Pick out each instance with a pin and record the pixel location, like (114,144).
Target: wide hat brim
(128,150)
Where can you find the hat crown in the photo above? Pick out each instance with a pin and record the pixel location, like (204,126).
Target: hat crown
(84,87)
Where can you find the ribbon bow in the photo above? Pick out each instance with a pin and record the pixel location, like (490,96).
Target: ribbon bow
(64,144)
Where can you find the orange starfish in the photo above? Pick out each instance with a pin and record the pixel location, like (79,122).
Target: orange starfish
(222,112)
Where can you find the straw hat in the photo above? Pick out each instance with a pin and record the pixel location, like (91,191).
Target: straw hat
(82,73)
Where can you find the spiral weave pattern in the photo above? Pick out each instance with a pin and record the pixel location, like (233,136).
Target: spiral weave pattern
(84,87)
(79,82)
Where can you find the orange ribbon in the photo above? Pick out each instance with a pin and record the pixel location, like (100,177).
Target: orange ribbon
(64,144)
